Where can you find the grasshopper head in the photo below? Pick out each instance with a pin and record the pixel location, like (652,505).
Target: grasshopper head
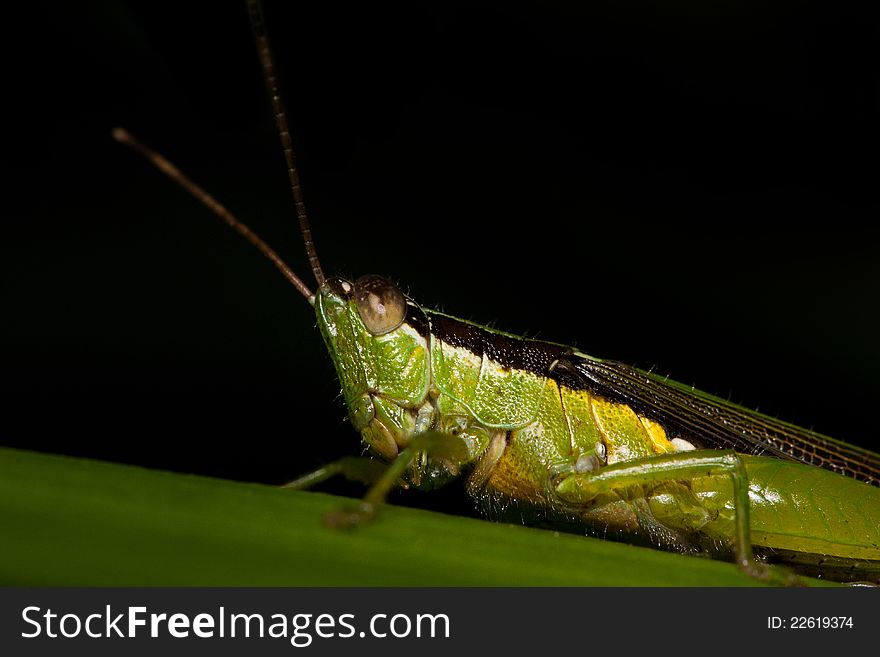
(377,339)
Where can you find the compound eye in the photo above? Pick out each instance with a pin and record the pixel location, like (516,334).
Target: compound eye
(381,305)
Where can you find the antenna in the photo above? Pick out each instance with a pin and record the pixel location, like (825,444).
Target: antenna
(255,9)
(124,137)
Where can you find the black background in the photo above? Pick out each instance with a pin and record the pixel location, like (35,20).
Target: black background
(682,187)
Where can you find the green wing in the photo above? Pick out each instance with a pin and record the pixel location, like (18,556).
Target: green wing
(714,423)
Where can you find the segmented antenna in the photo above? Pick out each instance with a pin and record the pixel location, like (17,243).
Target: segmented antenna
(255,9)
(214,205)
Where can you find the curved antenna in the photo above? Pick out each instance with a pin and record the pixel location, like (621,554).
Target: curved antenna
(258,24)
(214,205)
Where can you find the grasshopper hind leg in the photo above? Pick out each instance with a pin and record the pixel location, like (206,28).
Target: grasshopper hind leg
(626,483)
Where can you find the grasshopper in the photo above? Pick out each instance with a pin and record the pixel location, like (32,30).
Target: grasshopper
(545,433)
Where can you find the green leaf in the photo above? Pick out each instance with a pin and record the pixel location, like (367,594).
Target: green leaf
(69,521)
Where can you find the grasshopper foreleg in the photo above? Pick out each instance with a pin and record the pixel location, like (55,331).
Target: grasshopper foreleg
(380,477)
(360,469)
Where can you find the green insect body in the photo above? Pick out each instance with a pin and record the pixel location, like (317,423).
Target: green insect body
(545,434)
(552,435)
